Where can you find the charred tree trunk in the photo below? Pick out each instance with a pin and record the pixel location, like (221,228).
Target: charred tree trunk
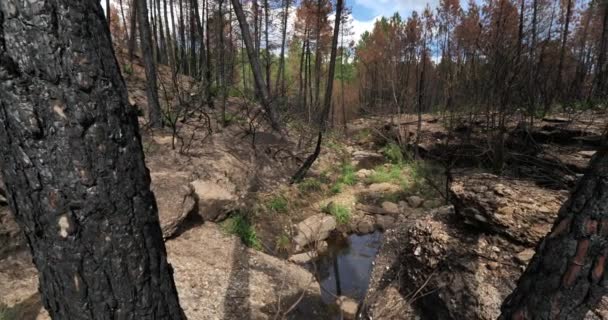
(133,26)
(73,163)
(154,111)
(301,173)
(255,65)
(566,278)
(562,53)
(280,82)
(267,41)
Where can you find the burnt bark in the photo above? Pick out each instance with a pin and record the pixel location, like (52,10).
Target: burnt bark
(566,278)
(258,78)
(72,160)
(301,173)
(154,112)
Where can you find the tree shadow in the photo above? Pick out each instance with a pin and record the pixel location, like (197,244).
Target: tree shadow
(237,303)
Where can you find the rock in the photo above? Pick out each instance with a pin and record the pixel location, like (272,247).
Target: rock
(3,201)
(431,204)
(250,282)
(363,174)
(415,201)
(383,187)
(375,210)
(517,209)
(492,265)
(314,228)
(366,159)
(366,225)
(384,222)
(175,200)
(587,154)
(391,207)
(388,304)
(322,247)
(304,258)
(349,307)
(525,256)
(214,200)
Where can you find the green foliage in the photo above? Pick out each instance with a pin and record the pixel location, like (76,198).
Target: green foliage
(393,153)
(390,173)
(340,212)
(240,226)
(283,242)
(348,175)
(310,185)
(336,188)
(7,313)
(363,135)
(278,204)
(128,70)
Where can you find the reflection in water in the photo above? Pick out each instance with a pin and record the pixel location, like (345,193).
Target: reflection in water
(346,269)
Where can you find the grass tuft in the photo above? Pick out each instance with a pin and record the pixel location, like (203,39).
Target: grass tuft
(278,204)
(310,185)
(340,212)
(240,226)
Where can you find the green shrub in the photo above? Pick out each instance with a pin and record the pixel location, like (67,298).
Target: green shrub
(283,242)
(340,212)
(310,185)
(393,153)
(240,226)
(391,174)
(348,175)
(336,188)
(278,204)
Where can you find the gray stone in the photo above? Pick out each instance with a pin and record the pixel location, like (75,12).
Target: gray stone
(391,207)
(366,225)
(415,201)
(314,228)
(385,222)
(304,258)
(525,256)
(349,307)
(214,200)
(175,200)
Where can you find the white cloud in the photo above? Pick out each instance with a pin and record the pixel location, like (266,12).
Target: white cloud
(388,7)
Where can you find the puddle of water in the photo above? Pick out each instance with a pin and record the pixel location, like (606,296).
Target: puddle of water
(347,267)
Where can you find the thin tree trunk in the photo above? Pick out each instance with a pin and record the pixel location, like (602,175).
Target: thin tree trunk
(565,279)
(600,89)
(255,65)
(268,56)
(301,173)
(133,25)
(280,82)
(562,53)
(169,49)
(73,163)
(318,53)
(154,111)
(182,38)
(162,52)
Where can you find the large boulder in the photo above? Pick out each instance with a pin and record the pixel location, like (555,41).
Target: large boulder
(314,228)
(367,159)
(223,279)
(215,200)
(175,199)
(517,209)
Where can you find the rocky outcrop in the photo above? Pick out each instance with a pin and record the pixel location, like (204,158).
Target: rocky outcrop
(217,278)
(214,200)
(366,159)
(175,200)
(314,228)
(517,209)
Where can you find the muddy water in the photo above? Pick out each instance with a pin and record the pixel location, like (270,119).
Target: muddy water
(347,268)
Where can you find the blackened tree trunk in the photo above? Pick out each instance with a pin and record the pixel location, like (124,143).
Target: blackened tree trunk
(255,65)
(280,82)
(154,112)
(600,86)
(566,278)
(133,26)
(301,173)
(72,160)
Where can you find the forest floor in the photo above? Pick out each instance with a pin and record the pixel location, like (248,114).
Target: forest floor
(243,241)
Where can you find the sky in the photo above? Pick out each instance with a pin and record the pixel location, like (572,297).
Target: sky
(366,12)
